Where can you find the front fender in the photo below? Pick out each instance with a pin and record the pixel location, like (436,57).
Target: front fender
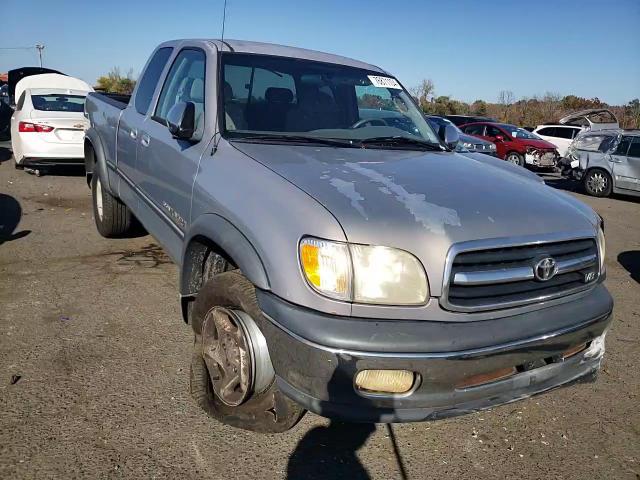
(229,239)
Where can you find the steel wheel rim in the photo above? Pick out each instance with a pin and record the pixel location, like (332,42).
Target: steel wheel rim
(513,159)
(99,206)
(227,354)
(597,182)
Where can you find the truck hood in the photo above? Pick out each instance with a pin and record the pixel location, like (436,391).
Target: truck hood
(422,202)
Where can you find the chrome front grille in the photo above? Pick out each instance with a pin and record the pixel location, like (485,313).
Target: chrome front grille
(494,278)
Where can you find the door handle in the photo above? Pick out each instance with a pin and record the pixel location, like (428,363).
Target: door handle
(145,140)
(133,134)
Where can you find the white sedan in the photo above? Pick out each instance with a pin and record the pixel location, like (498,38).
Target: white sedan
(48,124)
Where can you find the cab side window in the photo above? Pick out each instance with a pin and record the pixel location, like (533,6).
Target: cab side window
(185,83)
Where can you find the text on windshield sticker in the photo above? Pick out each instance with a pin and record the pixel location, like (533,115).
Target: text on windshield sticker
(384,82)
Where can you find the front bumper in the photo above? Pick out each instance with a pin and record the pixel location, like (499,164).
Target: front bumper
(319,374)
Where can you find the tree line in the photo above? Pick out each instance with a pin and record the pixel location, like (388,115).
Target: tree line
(526,112)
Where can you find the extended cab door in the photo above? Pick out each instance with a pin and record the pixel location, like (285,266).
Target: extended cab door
(168,165)
(130,122)
(626,163)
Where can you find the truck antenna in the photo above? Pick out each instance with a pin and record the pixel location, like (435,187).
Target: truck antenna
(224,18)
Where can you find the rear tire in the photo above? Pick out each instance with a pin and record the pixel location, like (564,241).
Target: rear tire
(598,183)
(113,218)
(515,158)
(268,410)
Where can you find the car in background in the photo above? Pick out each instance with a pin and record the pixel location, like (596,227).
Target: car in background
(466,142)
(48,124)
(606,161)
(560,135)
(515,144)
(458,120)
(7,95)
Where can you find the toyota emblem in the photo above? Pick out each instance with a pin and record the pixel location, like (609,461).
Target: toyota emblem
(545,269)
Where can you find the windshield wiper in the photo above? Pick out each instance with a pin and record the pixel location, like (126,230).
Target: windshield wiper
(297,139)
(399,140)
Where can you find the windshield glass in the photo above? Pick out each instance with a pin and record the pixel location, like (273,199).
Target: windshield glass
(58,102)
(272,97)
(518,132)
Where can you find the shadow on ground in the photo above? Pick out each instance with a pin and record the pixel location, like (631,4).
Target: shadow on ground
(10,215)
(630,261)
(329,452)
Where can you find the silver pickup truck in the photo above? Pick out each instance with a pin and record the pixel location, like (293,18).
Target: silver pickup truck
(337,259)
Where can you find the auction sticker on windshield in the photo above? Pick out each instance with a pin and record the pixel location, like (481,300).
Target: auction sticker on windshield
(384,82)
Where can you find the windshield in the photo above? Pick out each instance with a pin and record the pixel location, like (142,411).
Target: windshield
(58,102)
(518,132)
(275,97)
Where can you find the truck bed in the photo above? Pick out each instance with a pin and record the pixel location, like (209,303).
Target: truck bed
(104,111)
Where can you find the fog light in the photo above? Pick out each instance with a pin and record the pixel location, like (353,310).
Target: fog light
(385,381)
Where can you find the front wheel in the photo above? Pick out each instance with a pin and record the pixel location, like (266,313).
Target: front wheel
(232,377)
(598,183)
(515,158)
(113,218)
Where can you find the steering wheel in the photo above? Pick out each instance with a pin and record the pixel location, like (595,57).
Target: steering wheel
(374,122)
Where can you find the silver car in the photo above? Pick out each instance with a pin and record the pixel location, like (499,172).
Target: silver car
(606,161)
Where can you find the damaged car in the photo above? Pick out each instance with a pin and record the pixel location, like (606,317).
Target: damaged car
(605,161)
(561,134)
(515,144)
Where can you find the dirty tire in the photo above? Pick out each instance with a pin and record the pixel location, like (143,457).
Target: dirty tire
(269,411)
(515,158)
(115,219)
(598,183)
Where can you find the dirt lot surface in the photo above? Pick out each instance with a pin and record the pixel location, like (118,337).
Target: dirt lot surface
(94,363)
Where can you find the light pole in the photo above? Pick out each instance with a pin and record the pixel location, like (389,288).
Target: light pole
(40,47)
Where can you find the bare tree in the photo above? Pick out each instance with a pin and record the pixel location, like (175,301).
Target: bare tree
(423,92)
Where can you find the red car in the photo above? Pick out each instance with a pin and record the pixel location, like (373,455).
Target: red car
(515,144)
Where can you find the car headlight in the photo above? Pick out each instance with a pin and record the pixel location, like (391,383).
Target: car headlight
(467,145)
(601,245)
(363,273)
(492,146)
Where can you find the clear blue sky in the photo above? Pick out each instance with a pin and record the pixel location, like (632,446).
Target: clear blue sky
(470,49)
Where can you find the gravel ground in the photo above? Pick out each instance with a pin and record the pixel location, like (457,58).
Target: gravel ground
(94,365)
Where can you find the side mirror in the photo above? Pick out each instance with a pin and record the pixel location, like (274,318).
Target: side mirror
(499,138)
(451,136)
(181,120)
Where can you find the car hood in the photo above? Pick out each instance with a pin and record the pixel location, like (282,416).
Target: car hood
(422,202)
(474,140)
(543,144)
(503,165)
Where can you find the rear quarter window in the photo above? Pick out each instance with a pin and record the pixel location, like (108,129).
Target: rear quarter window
(149,80)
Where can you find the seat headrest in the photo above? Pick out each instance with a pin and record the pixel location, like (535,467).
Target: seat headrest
(197,91)
(278,95)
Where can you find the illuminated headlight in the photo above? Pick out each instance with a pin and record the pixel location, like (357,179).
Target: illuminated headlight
(601,245)
(363,273)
